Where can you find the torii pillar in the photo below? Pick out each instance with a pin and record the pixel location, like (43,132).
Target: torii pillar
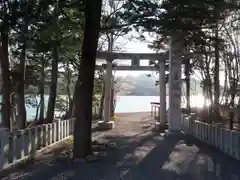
(161,123)
(107,123)
(174,117)
(162,93)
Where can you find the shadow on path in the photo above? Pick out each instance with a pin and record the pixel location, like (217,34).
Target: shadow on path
(150,157)
(142,155)
(115,165)
(195,162)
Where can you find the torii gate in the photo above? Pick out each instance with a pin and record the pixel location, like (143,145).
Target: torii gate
(174,117)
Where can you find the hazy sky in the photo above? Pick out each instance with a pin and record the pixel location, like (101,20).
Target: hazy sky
(136,46)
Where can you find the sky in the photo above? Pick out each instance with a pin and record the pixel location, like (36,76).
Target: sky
(136,46)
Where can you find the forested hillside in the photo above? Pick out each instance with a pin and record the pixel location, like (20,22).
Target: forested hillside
(143,85)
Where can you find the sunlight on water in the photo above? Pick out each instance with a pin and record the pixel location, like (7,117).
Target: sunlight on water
(196,101)
(130,104)
(142,103)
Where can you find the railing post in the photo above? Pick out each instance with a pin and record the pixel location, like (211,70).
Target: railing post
(204,132)
(46,135)
(231,149)
(22,139)
(235,136)
(221,140)
(72,125)
(182,122)
(54,132)
(57,130)
(155,112)
(237,145)
(29,144)
(151,109)
(69,124)
(67,127)
(61,132)
(14,147)
(217,136)
(50,133)
(3,144)
(35,139)
(63,129)
(41,136)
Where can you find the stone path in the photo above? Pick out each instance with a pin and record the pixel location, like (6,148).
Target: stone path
(140,155)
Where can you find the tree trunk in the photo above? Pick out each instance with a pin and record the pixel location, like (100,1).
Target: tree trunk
(6,88)
(21,100)
(205,97)
(37,111)
(84,93)
(41,107)
(216,75)
(112,108)
(187,80)
(74,98)
(41,92)
(102,101)
(70,108)
(53,87)
(70,99)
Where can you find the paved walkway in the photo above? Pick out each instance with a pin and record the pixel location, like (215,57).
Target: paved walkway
(140,155)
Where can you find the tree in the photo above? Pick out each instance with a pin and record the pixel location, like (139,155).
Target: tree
(196,21)
(85,83)
(8,19)
(54,69)
(108,39)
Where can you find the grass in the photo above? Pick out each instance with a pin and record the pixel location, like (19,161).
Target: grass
(115,118)
(71,140)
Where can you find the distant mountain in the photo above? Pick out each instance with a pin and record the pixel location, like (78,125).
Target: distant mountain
(143,85)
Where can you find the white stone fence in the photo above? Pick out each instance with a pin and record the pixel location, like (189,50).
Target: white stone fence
(18,146)
(227,141)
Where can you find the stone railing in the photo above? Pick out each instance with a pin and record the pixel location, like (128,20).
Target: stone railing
(225,140)
(21,145)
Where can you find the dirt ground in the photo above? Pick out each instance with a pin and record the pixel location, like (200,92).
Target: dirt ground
(139,154)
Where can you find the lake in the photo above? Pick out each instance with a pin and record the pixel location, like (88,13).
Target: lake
(142,103)
(131,104)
